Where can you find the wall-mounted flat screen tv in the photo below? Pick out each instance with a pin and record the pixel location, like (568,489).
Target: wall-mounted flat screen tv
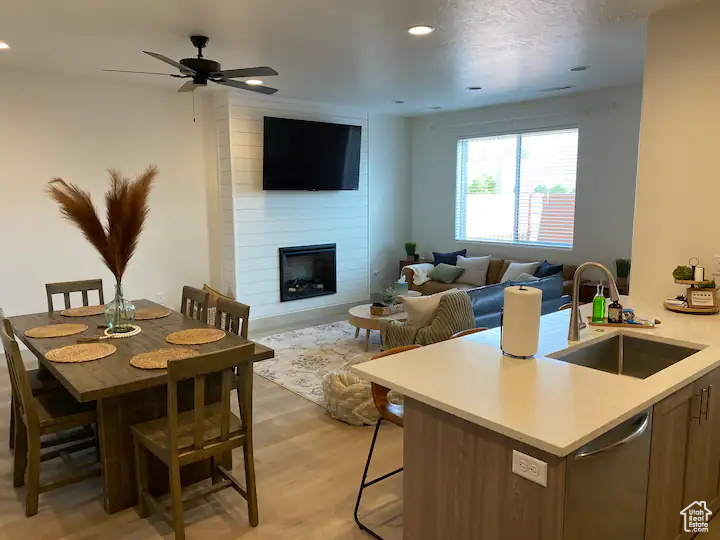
(310,156)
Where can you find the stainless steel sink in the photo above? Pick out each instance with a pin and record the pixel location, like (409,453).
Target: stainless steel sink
(627,355)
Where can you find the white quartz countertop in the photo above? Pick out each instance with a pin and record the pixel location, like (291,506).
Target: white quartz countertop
(549,404)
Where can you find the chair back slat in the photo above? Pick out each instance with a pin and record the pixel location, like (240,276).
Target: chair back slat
(20,385)
(194,303)
(232,316)
(199,404)
(67,287)
(198,368)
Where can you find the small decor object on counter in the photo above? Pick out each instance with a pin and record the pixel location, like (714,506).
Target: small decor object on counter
(615,313)
(598,312)
(683,273)
(116,241)
(520,321)
(699,273)
(410,248)
(702,297)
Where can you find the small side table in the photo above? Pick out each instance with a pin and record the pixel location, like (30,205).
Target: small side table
(361,318)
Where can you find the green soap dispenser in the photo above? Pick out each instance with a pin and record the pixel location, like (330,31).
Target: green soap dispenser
(598,312)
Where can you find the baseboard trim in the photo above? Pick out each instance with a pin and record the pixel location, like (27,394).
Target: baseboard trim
(266,325)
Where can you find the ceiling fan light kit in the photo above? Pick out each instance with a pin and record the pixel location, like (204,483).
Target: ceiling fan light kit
(201,70)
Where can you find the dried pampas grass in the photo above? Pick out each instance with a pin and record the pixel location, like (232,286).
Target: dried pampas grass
(127,209)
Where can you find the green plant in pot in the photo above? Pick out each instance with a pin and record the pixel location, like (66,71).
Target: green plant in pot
(622,268)
(126,209)
(410,248)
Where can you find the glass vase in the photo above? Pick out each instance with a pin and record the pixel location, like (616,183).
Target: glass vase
(120,311)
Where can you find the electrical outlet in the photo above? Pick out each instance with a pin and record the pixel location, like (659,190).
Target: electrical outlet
(529,467)
(160,298)
(716,270)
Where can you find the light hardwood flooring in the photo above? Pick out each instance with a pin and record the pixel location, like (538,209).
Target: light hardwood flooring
(308,471)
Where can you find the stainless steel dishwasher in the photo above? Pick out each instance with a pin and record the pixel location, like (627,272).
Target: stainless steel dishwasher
(606,484)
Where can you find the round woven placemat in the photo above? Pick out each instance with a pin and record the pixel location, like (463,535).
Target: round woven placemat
(159,358)
(83,352)
(195,336)
(56,330)
(147,313)
(84,311)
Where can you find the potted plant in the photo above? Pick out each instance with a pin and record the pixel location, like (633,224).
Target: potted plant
(410,250)
(622,269)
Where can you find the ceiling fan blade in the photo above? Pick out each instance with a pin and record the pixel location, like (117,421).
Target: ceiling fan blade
(252,88)
(189,86)
(261,71)
(170,61)
(142,72)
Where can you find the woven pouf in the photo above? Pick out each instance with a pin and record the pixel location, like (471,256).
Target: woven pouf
(348,398)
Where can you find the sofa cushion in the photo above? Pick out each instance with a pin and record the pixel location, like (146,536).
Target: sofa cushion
(476,269)
(546,269)
(517,268)
(448,258)
(421,309)
(524,278)
(496,269)
(432,287)
(550,286)
(445,272)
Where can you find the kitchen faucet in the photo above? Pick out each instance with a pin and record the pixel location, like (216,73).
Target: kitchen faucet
(574,329)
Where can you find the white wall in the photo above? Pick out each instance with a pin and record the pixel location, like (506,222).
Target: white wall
(389,197)
(678,192)
(264,221)
(608,136)
(77,128)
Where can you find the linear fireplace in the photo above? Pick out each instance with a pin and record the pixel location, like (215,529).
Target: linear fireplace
(307,271)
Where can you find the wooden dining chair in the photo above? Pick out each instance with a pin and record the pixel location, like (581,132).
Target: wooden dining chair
(468,332)
(37,416)
(389,412)
(208,431)
(194,303)
(67,287)
(234,317)
(564,307)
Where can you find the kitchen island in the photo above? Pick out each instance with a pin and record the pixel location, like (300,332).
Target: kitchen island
(468,408)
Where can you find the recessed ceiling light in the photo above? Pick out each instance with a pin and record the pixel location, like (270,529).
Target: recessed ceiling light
(579,68)
(398,101)
(420,30)
(4,45)
(473,88)
(254,82)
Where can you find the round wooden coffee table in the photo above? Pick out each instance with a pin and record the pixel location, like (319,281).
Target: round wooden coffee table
(360,317)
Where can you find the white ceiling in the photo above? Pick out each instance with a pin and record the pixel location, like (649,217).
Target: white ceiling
(353,52)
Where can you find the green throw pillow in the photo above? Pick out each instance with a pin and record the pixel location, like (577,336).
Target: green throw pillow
(445,273)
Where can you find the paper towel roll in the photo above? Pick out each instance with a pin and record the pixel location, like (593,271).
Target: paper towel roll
(521,321)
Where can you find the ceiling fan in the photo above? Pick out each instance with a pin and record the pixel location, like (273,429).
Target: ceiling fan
(201,70)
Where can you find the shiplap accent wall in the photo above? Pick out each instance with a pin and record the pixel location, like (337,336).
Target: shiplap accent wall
(256,223)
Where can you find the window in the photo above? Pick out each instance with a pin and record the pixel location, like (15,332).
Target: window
(517,189)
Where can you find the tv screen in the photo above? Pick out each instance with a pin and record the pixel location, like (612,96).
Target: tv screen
(310,156)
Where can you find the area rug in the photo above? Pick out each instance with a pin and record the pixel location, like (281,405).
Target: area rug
(304,357)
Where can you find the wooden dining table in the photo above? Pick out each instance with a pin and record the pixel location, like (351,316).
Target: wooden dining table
(126,395)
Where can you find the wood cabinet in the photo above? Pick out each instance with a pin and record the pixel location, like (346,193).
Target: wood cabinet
(684,457)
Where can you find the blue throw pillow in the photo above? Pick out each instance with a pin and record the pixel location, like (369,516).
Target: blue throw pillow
(448,258)
(546,269)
